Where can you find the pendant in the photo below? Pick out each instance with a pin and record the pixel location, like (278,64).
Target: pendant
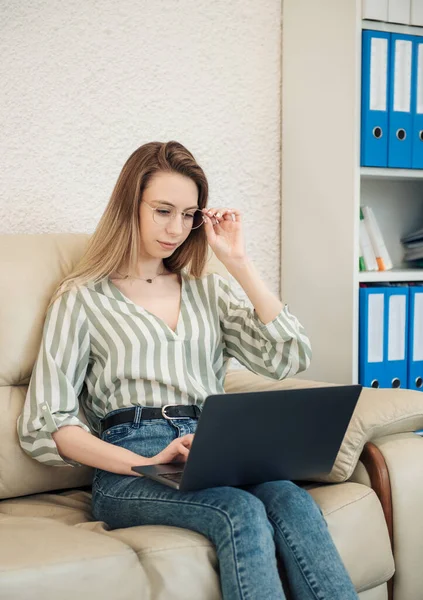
(149,280)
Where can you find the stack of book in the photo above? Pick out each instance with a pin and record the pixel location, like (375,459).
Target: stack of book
(373,253)
(413,248)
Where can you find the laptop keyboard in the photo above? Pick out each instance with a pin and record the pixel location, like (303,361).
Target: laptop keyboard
(176,477)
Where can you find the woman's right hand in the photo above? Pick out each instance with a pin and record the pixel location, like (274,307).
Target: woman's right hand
(176,451)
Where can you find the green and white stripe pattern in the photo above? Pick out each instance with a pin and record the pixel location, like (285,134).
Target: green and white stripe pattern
(104,351)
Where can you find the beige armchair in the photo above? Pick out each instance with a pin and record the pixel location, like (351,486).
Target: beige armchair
(50,545)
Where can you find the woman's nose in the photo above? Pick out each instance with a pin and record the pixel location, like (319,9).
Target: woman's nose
(175,225)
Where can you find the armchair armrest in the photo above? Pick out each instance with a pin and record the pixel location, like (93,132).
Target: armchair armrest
(379,412)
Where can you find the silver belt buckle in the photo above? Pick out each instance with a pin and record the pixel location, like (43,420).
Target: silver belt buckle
(170,418)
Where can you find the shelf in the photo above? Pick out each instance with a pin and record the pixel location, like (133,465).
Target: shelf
(392,275)
(393,27)
(404,174)
(309,188)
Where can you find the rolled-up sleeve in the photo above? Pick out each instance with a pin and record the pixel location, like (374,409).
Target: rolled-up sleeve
(56,381)
(277,349)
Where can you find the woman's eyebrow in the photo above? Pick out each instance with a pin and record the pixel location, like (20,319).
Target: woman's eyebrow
(170,204)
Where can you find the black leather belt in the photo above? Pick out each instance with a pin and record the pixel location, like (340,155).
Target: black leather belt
(169,411)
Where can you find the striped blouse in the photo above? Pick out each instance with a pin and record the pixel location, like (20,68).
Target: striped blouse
(104,351)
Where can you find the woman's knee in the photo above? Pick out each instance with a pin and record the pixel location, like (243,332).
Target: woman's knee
(241,515)
(238,507)
(285,496)
(237,502)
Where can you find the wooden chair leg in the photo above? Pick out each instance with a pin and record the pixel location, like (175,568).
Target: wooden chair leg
(376,467)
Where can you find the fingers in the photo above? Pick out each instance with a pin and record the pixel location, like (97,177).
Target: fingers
(180,451)
(211,217)
(183,450)
(187,439)
(216,215)
(183,444)
(177,450)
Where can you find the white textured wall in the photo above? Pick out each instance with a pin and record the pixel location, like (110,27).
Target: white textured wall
(85,83)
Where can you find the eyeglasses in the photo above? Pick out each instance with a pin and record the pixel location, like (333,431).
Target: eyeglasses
(164,214)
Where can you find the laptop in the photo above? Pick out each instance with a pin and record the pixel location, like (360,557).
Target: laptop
(253,437)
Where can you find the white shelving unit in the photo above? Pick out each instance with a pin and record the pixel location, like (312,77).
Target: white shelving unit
(323,184)
(392,275)
(394,27)
(392,174)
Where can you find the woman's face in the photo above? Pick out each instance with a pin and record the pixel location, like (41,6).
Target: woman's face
(167,191)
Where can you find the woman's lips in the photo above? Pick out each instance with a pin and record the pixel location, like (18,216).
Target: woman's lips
(167,246)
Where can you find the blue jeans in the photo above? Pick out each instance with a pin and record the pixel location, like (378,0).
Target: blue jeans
(247,526)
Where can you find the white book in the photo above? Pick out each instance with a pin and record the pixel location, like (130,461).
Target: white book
(382,255)
(399,11)
(375,9)
(367,249)
(416,17)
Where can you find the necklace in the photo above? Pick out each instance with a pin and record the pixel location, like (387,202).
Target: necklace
(149,280)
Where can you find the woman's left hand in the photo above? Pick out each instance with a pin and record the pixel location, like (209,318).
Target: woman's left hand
(224,234)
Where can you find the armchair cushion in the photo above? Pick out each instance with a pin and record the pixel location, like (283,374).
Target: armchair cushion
(156,559)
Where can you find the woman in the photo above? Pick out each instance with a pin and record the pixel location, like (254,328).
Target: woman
(137,327)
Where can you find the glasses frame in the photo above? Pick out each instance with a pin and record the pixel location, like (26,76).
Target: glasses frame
(176,212)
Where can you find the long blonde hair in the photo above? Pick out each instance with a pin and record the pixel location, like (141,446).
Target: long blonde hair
(116,240)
